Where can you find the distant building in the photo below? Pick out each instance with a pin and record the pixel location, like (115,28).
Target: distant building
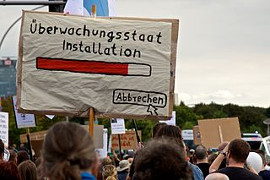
(7,77)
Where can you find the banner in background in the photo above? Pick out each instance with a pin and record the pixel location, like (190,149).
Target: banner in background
(104,151)
(118,126)
(172,121)
(4,127)
(23,120)
(128,140)
(83,7)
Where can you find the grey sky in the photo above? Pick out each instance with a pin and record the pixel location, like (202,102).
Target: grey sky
(223,49)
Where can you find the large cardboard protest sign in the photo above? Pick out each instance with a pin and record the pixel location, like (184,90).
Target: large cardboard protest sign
(128,140)
(122,67)
(215,131)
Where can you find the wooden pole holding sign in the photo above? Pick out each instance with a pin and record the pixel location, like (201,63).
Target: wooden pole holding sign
(91,121)
(91,110)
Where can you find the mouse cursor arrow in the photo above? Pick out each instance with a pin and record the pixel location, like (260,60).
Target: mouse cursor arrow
(152,109)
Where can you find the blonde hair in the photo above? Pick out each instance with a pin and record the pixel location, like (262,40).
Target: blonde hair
(27,170)
(67,149)
(109,172)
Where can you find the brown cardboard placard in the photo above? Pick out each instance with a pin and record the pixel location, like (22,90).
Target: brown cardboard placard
(215,131)
(128,140)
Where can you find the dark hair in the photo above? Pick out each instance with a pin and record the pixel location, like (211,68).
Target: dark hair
(262,154)
(201,152)
(157,127)
(67,149)
(2,149)
(238,150)
(13,156)
(171,132)
(8,171)
(27,170)
(162,159)
(211,158)
(22,156)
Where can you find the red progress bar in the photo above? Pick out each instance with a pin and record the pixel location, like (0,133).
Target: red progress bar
(94,67)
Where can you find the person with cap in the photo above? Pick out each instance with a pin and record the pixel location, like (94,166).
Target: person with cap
(122,169)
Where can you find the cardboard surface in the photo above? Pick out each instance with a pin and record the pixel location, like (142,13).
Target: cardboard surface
(98,135)
(126,62)
(128,140)
(215,131)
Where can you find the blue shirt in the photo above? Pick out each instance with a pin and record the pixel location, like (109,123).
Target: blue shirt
(197,173)
(87,176)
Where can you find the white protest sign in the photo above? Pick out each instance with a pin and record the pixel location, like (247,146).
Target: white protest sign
(118,126)
(172,121)
(104,151)
(4,127)
(23,120)
(122,67)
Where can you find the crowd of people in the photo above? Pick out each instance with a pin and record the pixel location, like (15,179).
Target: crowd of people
(68,152)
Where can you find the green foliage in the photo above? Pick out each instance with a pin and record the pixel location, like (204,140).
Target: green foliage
(188,125)
(250,118)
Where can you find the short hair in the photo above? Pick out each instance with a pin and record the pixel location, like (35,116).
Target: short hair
(171,132)
(201,152)
(157,127)
(9,170)
(262,154)
(217,176)
(13,156)
(22,156)
(67,149)
(161,159)
(27,170)
(239,150)
(109,172)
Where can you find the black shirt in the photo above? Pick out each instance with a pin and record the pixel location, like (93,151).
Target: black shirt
(204,167)
(238,173)
(265,174)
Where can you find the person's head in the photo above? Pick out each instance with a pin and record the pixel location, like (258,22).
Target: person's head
(106,161)
(171,132)
(109,172)
(262,154)
(201,152)
(13,156)
(255,161)
(2,149)
(22,156)
(238,150)
(212,157)
(222,146)
(217,176)
(162,159)
(123,166)
(9,170)
(27,170)
(67,150)
(157,127)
